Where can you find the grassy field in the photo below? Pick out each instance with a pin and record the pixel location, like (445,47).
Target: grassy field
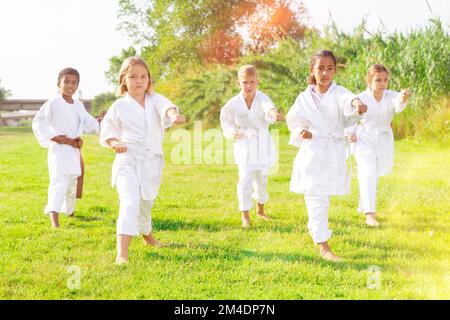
(208,255)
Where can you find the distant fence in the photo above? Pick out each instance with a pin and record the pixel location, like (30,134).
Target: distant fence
(31,104)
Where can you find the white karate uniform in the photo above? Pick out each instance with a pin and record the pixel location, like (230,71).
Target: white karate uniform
(57,117)
(320,167)
(374,148)
(254,153)
(137,172)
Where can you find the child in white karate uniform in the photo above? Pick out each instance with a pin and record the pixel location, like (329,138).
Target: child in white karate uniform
(373,137)
(317,121)
(246,118)
(58,126)
(134,128)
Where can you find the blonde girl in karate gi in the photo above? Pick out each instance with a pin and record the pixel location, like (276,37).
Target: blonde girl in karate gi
(134,128)
(58,126)
(373,137)
(316,122)
(246,118)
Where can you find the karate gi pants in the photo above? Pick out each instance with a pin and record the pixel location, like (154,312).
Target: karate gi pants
(134,213)
(367,180)
(252,184)
(62,192)
(317,206)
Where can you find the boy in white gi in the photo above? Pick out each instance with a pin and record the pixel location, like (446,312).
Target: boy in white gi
(317,121)
(373,137)
(58,126)
(246,118)
(134,127)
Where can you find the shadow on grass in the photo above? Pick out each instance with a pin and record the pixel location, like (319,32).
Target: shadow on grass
(204,252)
(88,218)
(221,225)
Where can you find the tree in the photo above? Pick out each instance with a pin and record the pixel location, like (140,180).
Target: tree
(273,21)
(115,63)
(4,93)
(102,102)
(176,34)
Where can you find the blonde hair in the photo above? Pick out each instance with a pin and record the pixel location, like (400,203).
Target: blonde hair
(247,70)
(376,68)
(125,68)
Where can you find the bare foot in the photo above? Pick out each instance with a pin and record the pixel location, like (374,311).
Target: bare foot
(150,241)
(121,261)
(260,212)
(54,219)
(245,219)
(263,216)
(327,254)
(371,221)
(330,256)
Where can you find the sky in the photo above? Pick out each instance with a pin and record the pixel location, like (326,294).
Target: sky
(39,38)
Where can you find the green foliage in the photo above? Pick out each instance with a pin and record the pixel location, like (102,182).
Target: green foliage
(171,34)
(102,102)
(208,92)
(4,93)
(174,35)
(116,62)
(418,60)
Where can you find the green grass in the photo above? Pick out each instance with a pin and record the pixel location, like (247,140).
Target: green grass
(209,256)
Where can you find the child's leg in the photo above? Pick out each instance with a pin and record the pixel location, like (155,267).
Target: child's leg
(145,223)
(245,219)
(70,199)
(244,192)
(317,206)
(368,179)
(260,193)
(54,219)
(56,194)
(127,223)
(123,242)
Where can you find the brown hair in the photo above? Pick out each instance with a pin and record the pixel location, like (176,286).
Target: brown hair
(66,71)
(125,68)
(247,70)
(376,68)
(317,55)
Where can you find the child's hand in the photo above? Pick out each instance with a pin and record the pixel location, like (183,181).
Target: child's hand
(278,116)
(119,147)
(75,143)
(351,137)
(238,135)
(61,139)
(362,108)
(100,116)
(275,115)
(404,95)
(177,118)
(305,134)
